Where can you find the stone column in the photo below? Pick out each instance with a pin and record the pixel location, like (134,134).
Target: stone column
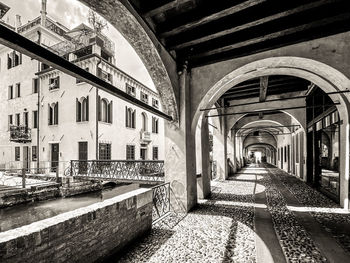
(180,158)
(204,191)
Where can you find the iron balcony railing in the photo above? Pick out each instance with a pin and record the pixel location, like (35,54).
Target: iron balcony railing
(119,170)
(20,133)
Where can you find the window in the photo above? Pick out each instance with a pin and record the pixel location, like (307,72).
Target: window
(25,119)
(18,90)
(35,85)
(53,113)
(10,118)
(54,83)
(14,59)
(17,153)
(10,92)
(285,153)
(154,125)
(82,111)
(144,97)
(278,153)
(130,117)
(130,90)
(35,119)
(105,111)
(155,153)
(144,121)
(18,119)
(155,103)
(34,153)
(104,151)
(130,152)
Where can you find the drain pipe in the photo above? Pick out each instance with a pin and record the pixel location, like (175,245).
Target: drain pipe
(97,110)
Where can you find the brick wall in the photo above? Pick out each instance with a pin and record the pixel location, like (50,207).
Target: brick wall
(82,235)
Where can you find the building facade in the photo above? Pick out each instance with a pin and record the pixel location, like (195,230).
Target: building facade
(53,118)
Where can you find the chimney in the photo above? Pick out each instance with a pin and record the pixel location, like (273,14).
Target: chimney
(43,12)
(18,21)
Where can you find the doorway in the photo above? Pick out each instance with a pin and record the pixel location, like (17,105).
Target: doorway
(83,156)
(26,158)
(54,156)
(143,153)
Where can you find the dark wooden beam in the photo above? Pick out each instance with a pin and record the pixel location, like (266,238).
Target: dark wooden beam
(223,13)
(264,82)
(282,33)
(165,7)
(276,109)
(27,47)
(252,24)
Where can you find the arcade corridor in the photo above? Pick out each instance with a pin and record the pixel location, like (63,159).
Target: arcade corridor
(261,214)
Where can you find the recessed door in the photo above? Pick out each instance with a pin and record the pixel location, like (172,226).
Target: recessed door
(54,156)
(143,153)
(83,156)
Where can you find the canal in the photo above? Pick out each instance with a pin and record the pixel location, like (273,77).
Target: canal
(24,214)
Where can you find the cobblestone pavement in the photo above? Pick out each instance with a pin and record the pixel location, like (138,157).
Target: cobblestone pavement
(222,228)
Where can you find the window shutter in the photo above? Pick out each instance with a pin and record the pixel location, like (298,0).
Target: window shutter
(110,112)
(76,110)
(56,113)
(49,114)
(133,119)
(87,108)
(8,61)
(126,116)
(99,108)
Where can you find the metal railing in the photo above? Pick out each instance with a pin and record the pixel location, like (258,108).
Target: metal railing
(161,202)
(119,169)
(14,179)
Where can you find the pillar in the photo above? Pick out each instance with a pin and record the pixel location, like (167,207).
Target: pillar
(204,191)
(180,158)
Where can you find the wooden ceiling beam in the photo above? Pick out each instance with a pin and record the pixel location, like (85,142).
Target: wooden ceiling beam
(165,7)
(281,33)
(204,20)
(293,11)
(264,82)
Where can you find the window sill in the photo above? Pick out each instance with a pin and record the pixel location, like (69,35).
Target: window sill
(82,122)
(53,90)
(103,122)
(53,125)
(129,128)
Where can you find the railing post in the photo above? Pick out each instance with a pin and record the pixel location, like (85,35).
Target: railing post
(57,174)
(71,168)
(23,178)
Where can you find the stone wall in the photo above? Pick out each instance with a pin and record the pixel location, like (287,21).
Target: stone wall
(83,235)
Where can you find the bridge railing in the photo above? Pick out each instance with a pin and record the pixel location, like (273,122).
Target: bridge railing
(142,170)
(161,202)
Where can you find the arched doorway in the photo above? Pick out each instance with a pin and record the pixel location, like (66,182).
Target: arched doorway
(322,75)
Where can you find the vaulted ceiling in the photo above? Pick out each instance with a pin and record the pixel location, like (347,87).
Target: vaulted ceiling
(203,32)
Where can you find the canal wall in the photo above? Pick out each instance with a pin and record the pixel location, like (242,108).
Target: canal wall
(83,235)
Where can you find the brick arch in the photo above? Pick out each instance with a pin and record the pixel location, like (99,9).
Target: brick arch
(152,57)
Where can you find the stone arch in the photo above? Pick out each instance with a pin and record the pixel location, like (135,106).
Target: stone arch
(325,77)
(153,57)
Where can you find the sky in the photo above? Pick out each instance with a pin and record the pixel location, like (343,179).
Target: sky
(71,13)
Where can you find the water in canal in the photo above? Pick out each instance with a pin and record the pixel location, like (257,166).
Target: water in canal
(20,215)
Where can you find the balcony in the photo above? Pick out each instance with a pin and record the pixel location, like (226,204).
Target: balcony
(21,134)
(145,136)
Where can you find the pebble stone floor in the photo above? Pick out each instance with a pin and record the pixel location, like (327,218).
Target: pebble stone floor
(222,228)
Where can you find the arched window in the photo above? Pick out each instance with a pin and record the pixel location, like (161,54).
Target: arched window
(154,125)
(82,106)
(144,121)
(105,110)
(130,117)
(53,114)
